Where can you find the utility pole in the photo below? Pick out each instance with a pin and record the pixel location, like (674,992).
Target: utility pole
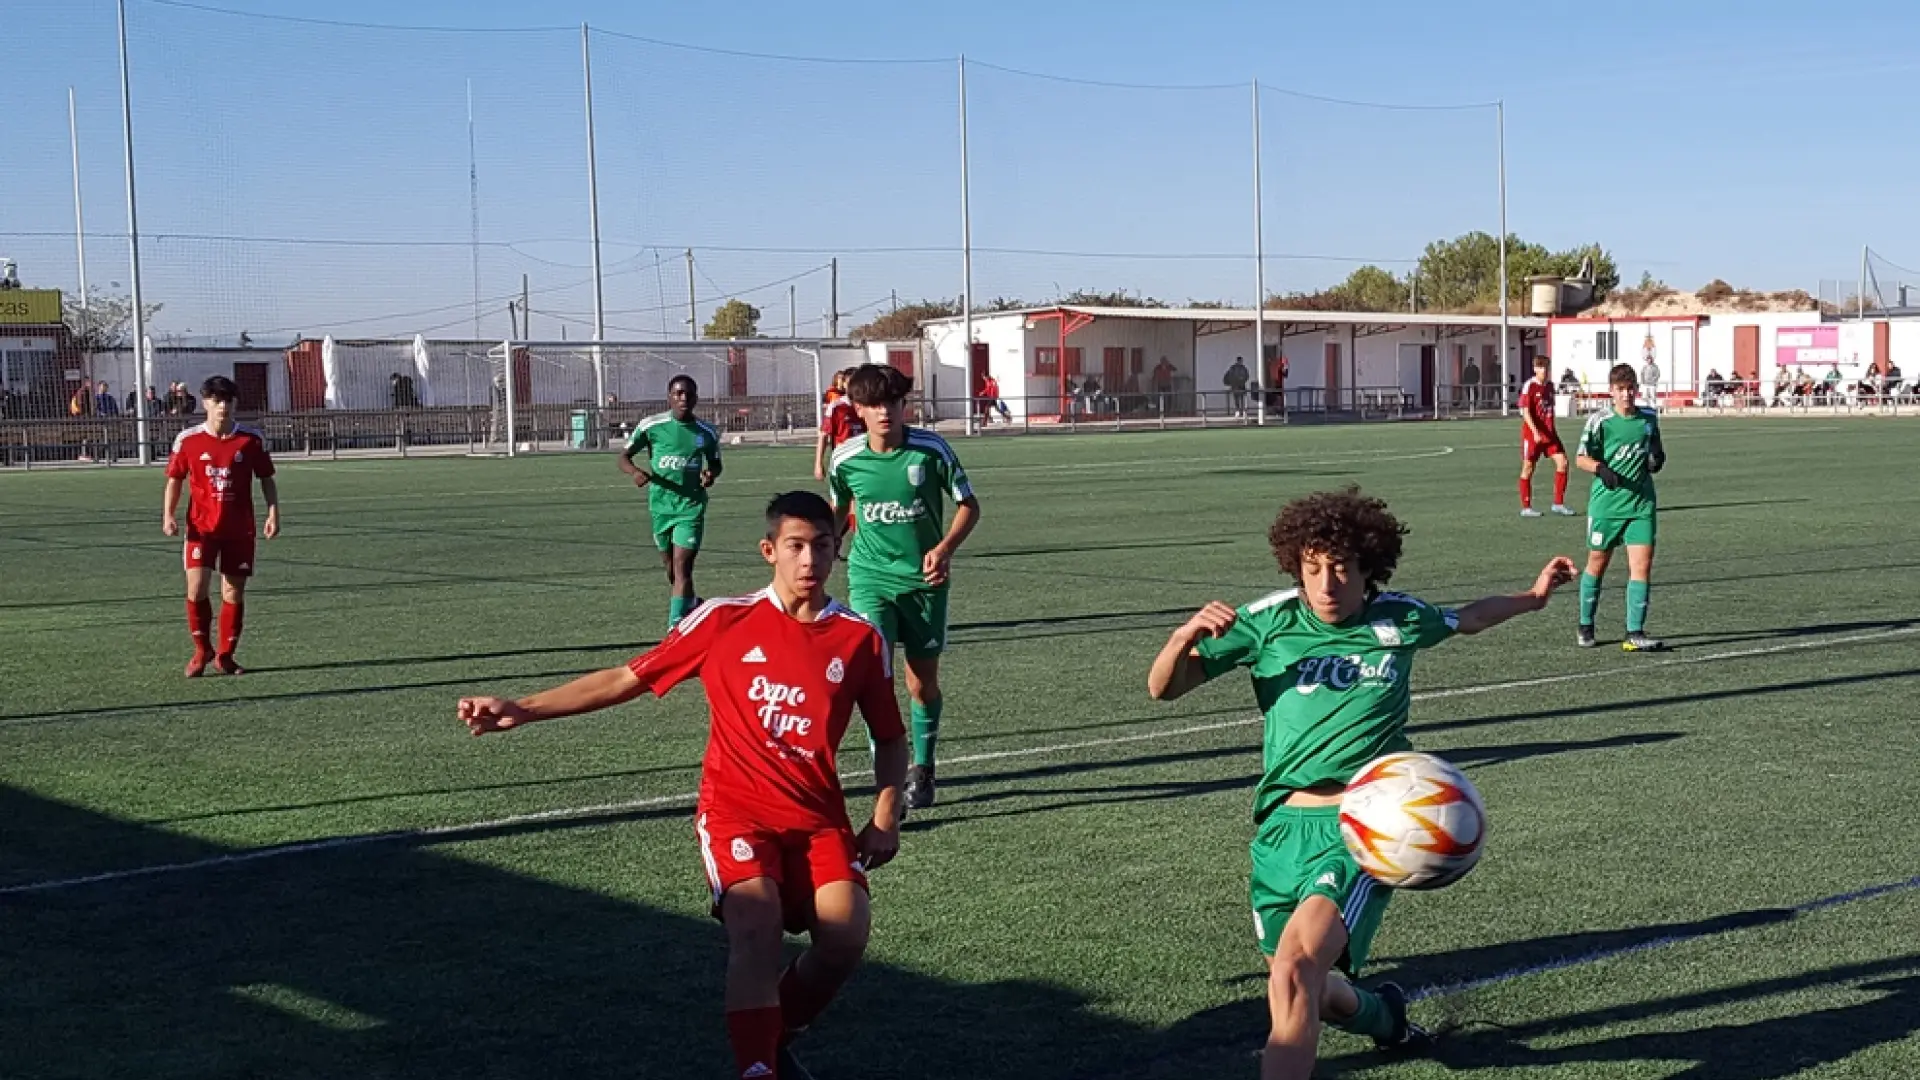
(1500,116)
(693,305)
(793,318)
(833,299)
(142,375)
(593,219)
(526,311)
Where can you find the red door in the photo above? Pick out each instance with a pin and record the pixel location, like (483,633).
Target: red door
(901,360)
(1746,353)
(1333,374)
(306,380)
(736,371)
(1882,346)
(522,376)
(977,368)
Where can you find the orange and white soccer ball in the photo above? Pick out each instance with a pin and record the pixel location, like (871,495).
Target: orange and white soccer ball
(1413,821)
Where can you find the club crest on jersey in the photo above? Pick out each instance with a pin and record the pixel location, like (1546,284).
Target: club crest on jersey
(916,474)
(1388,633)
(836,672)
(742,851)
(1343,673)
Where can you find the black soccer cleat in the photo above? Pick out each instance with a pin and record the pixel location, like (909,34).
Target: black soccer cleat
(1585,638)
(1408,1037)
(919,787)
(1640,642)
(788,1067)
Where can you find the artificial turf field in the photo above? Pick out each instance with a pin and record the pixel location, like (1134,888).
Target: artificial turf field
(1670,888)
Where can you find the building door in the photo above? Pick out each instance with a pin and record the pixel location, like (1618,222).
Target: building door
(1882,346)
(736,371)
(306,379)
(1427,374)
(977,361)
(1333,375)
(901,360)
(1113,369)
(250,385)
(1746,353)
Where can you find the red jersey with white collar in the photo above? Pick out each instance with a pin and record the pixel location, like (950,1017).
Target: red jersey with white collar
(841,421)
(219,471)
(1536,399)
(781,693)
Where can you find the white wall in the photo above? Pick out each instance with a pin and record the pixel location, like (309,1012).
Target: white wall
(1011,354)
(193,367)
(1575,346)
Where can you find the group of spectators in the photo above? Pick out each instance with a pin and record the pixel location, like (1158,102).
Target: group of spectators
(98,399)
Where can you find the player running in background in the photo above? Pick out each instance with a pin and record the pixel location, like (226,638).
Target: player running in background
(838,423)
(218,461)
(1538,439)
(897,576)
(1621,447)
(782,669)
(1331,660)
(683,461)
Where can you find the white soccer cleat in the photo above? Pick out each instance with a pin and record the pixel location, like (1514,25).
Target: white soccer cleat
(1529,511)
(1563,510)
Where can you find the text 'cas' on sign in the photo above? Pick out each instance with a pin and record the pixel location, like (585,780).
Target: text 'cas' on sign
(29,307)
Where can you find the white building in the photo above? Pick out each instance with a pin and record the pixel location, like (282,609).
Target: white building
(1749,346)
(1334,360)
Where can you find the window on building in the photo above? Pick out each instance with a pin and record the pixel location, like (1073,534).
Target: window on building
(1606,345)
(1046,360)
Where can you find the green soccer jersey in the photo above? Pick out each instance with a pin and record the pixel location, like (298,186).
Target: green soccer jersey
(1627,444)
(1334,697)
(897,495)
(677,451)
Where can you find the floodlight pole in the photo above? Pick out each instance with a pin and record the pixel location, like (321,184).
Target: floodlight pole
(133,248)
(79,217)
(1259,279)
(966,262)
(1860,294)
(593,221)
(1500,121)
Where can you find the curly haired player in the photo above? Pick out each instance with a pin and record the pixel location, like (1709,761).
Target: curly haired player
(1331,660)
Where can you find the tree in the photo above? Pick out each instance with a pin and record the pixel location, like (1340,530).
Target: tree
(1463,274)
(1118,298)
(1368,288)
(904,322)
(735,319)
(104,322)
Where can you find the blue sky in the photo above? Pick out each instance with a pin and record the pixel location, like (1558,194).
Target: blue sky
(299,178)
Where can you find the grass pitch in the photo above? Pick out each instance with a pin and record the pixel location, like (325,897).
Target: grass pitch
(1672,888)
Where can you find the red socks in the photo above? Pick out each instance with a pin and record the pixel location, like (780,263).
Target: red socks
(1526,493)
(756,1041)
(199,622)
(800,1001)
(1559,489)
(231,617)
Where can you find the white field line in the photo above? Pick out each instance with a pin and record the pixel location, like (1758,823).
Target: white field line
(457,831)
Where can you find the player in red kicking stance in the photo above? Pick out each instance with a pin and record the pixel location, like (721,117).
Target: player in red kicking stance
(217,462)
(783,669)
(1538,439)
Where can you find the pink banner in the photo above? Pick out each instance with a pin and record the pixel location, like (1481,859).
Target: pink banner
(1807,345)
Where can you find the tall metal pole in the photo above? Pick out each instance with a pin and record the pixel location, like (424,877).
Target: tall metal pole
(593,223)
(526,312)
(966,259)
(1500,119)
(79,217)
(833,298)
(473,208)
(793,316)
(1860,294)
(133,251)
(1259,277)
(693,305)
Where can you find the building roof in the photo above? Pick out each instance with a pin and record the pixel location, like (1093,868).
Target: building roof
(1273,315)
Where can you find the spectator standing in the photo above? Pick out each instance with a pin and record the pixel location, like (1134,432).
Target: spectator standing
(1163,384)
(1236,383)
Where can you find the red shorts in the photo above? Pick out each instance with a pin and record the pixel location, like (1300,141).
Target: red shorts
(230,555)
(799,861)
(1532,449)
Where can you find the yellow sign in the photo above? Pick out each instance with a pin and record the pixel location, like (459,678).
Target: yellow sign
(29,307)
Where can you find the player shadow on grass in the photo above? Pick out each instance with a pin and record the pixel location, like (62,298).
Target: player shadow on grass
(1078,797)
(1789,632)
(1770,1049)
(397,960)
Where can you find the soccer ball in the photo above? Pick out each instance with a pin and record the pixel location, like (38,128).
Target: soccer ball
(1413,821)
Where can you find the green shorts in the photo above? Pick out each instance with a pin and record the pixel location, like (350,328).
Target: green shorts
(914,619)
(679,530)
(1298,853)
(1605,534)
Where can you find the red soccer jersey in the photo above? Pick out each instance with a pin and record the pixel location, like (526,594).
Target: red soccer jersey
(219,474)
(1537,401)
(780,693)
(842,421)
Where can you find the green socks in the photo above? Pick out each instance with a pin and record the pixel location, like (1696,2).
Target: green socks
(677,609)
(1373,1019)
(1637,598)
(1589,598)
(926,730)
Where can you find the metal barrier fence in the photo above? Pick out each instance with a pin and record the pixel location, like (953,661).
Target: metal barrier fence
(789,419)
